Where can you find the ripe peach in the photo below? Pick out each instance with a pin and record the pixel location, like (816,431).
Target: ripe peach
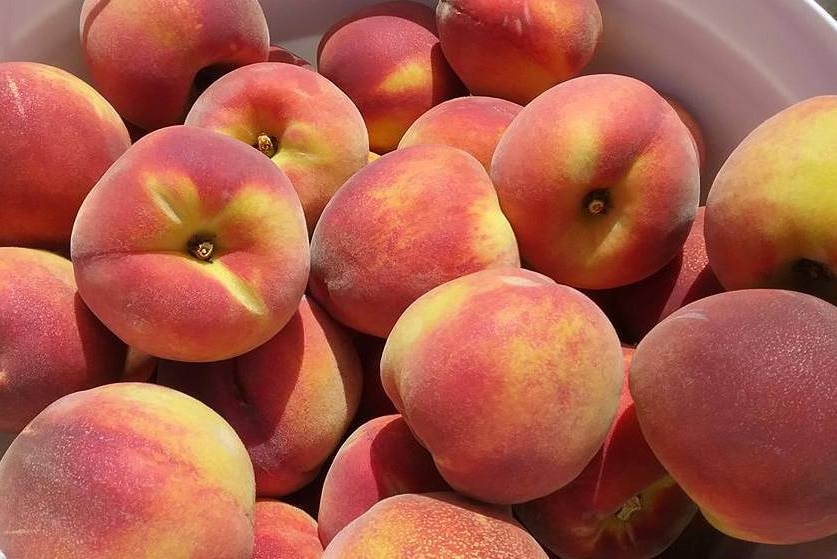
(151,59)
(50,344)
(472,124)
(127,470)
(623,505)
(599,179)
(397,229)
(192,247)
(771,216)
(434,525)
(285,532)
(59,137)
(396,77)
(297,118)
(514,409)
(290,400)
(638,307)
(735,395)
(379,460)
(517,49)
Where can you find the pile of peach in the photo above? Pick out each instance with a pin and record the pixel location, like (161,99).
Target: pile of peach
(356,312)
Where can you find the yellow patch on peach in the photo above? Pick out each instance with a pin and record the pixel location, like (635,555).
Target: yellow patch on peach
(408,76)
(84,91)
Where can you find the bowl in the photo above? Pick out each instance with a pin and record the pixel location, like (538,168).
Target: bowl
(733,64)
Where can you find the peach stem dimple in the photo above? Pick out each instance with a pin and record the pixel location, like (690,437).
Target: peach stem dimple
(597,202)
(266,144)
(201,249)
(631,506)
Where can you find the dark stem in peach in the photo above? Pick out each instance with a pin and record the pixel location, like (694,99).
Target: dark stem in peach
(201,248)
(631,506)
(266,144)
(597,202)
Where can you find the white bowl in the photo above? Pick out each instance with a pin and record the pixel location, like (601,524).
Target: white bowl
(733,63)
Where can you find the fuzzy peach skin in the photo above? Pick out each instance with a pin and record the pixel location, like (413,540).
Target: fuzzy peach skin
(694,127)
(472,124)
(599,179)
(297,118)
(517,49)
(285,532)
(192,247)
(771,216)
(623,505)
(398,228)
(387,59)
(434,525)
(379,460)
(59,137)
(50,344)
(735,395)
(278,53)
(290,400)
(127,470)
(516,408)
(638,307)
(150,58)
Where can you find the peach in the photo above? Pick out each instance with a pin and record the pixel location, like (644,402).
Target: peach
(278,53)
(192,247)
(59,137)
(599,179)
(641,306)
(517,49)
(623,505)
(150,59)
(694,127)
(285,532)
(770,216)
(395,78)
(50,344)
(295,117)
(127,470)
(379,460)
(434,525)
(374,401)
(510,380)
(398,228)
(290,400)
(472,124)
(735,395)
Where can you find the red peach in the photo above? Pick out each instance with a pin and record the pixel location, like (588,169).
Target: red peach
(599,179)
(150,59)
(379,460)
(510,380)
(127,470)
(59,137)
(735,395)
(517,49)
(285,532)
(388,61)
(297,118)
(290,400)
(434,525)
(50,344)
(397,229)
(213,231)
